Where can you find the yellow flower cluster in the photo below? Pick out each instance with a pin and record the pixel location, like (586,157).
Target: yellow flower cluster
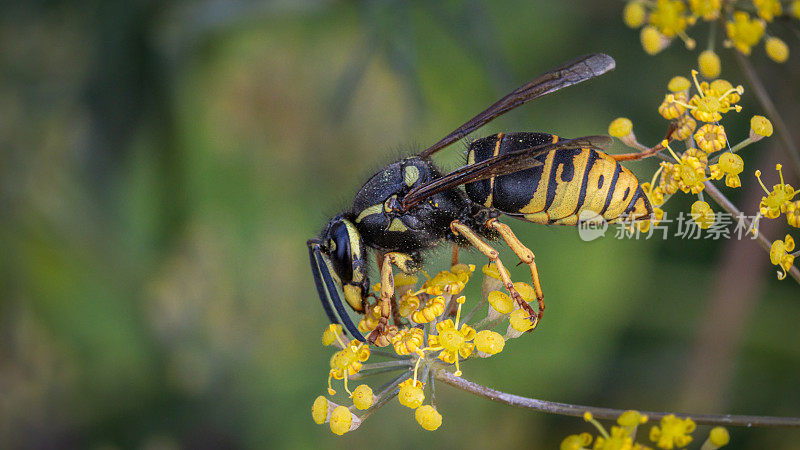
(661,21)
(428,334)
(708,155)
(671,432)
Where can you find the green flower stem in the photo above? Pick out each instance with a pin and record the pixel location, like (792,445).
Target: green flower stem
(768,106)
(475,309)
(383,364)
(386,393)
(565,409)
(726,204)
(372,373)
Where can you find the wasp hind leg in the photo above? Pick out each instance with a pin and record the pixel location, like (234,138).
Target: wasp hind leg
(459,228)
(381,335)
(525,255)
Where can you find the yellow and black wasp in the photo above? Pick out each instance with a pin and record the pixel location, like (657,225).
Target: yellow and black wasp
(410,206)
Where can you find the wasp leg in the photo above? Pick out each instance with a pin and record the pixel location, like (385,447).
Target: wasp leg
(463,230)
(454,257)
(379,335)
(525,255)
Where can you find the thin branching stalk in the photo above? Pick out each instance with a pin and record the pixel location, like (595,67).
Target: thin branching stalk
(386,393)
(372,373)
(768,106)
(565,409)
(728,206)
(382,364)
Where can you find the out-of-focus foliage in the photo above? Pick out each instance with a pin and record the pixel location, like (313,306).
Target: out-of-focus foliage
(163,164)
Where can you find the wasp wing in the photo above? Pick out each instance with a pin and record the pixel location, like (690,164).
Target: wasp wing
(496,166)
(574,72)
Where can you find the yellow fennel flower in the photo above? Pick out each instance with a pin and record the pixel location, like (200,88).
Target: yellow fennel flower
(370,320)
(718,437)
(672,432)
(777,200)
(678,84)
(428,417)
(410,393)
(319,410)
(702,214)
(619,438)
(793,214)
(433,308)
(711,138)
(634,14)
(652,40)
(489,343)
(709,64)
(408,304)
(501,302)
(576,441)
(780,255)
(333,333)
(776,49)
(362,396)
(452,341)
(669,17)
(673,106)
(768,9)
(760,127)
(707,9)
(408,341)
(341,420)
(744,32)
(686,126)
(347,362)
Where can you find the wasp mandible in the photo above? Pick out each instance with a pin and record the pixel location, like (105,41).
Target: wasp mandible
(410,206)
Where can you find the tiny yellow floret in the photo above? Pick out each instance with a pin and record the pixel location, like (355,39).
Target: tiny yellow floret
(709,64)
(679,84)
(768,9)
(719,436)
(780,255)
(744,32)
(702,214)
(634,14)
(410,394)
(652,41)
(520,320)
(631,418)
(428,417)
(777,50)
(672,432)
(319,411)
(489,342)
(576,441)
(331,333)
(341,419)
(362,396)
(760,126)
(620,127)
(490,270)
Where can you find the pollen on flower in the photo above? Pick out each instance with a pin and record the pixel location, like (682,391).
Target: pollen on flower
(780,255)
(347,362)
(518,323)
(489,342)
(709,64)
(410,394)
(341,420)
(453,342)
(407,341)
(672,432)
(731,165)
(500,303)
(319,410)
(491,271)
(428,417)
(777,50)
(362,396)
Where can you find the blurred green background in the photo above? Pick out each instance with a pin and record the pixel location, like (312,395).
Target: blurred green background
(164,162)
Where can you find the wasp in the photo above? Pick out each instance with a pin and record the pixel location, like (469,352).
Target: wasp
(411,206)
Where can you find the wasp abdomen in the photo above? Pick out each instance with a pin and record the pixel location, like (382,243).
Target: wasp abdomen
(567,183)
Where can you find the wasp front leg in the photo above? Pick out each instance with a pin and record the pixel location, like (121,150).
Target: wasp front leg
(525,255)
(379,336)
(460,229)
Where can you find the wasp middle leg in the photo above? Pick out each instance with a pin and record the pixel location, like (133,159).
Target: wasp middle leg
(463,230)
(378,336)
(525,255)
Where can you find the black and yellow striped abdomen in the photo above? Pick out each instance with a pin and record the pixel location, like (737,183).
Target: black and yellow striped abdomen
(569,182)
